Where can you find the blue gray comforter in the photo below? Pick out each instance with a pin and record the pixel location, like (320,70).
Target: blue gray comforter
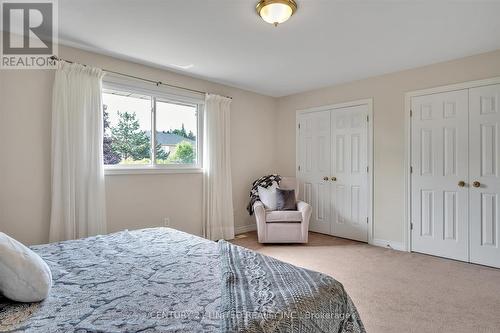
(163,280)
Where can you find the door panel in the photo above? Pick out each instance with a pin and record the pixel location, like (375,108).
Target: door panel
(350,161)
(314,162)
(439,159)
(484,120)
(450,215)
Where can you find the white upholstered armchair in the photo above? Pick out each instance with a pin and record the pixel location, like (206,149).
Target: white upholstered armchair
(285,226)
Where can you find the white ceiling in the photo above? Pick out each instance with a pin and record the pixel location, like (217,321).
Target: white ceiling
(326,42)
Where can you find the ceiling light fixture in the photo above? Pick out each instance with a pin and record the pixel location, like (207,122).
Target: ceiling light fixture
(276,11)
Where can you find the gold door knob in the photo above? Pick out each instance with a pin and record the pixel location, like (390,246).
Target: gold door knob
(461,183)
(476,184)
(334,179)
(325,178)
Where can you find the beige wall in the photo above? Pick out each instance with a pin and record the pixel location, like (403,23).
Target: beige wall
(25,103)
(133,201)
(387,92)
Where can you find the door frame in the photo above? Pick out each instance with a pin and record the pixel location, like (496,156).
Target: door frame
(407,246)
(369,103)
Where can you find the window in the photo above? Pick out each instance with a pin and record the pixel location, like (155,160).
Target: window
(149,130)
(176,133)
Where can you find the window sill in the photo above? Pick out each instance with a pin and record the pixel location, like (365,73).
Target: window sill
(113,171)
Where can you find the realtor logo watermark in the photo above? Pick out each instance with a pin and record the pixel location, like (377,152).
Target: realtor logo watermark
(29,34)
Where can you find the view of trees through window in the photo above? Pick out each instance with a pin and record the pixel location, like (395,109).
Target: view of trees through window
(128,126)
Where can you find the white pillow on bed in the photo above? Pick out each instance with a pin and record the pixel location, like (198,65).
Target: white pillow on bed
(24,276)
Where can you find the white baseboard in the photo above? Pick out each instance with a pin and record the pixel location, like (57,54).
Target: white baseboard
(388,244)
(244,228)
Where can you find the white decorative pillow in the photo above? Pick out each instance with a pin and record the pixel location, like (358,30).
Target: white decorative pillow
(268,196)
(24,276)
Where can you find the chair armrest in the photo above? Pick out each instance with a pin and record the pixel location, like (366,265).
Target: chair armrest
(260,218)
(306,211)
(260,212)
(258,205)
(304,208)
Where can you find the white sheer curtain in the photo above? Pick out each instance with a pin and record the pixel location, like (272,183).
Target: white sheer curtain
(218,219)
(78,198)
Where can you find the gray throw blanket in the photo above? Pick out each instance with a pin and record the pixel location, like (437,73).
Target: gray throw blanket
(264,181)
(263,294)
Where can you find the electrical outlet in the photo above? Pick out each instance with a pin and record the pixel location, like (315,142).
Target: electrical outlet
(166,222)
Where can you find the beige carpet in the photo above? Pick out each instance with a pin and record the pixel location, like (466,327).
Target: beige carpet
(397,291)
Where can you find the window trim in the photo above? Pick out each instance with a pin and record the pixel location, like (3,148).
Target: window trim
(169,95)
(111,170)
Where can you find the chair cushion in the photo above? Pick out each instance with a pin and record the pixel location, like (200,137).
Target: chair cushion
(285,199)
(268,195)
(283,216)
(290,183)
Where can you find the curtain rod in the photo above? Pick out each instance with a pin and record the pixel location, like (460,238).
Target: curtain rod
(157,83)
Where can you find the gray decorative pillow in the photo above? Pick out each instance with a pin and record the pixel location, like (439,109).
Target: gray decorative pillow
(285,199)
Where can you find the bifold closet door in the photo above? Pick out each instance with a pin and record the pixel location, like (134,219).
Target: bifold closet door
(349,172)
(314,163)
(439,179)
(484,120)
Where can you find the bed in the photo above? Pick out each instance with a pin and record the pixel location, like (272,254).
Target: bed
(164,280)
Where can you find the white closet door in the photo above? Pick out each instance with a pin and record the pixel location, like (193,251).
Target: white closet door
(439,159)
(314,163)
(484,121)
(349,166)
